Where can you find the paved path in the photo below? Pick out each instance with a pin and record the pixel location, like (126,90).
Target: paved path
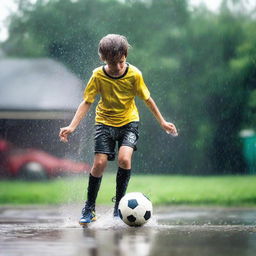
(175,231)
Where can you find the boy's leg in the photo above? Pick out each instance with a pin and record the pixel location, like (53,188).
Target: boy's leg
(123,174)
(88,212)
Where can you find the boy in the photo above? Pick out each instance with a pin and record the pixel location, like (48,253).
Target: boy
(118,82)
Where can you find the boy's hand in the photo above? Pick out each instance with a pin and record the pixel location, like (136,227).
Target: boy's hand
(64,132)
(170,128)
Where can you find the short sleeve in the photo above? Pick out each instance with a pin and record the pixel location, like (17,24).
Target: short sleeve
(91,90)
(141,88)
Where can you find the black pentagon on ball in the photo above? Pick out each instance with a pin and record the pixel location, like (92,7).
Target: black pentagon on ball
(132,203)
(147,215)
(131,218)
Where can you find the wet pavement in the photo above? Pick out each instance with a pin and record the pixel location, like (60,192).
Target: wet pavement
(173,231)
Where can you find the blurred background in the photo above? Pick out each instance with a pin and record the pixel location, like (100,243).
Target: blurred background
(198,59)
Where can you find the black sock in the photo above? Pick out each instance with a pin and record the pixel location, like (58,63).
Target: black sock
(92,190)
(122,180)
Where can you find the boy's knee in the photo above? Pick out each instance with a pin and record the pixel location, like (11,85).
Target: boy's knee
(99,167)
(100,164)
(124,162)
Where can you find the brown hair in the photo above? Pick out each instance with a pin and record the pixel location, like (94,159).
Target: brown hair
(112,47)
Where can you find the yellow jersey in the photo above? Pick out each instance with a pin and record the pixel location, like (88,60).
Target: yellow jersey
(117,105)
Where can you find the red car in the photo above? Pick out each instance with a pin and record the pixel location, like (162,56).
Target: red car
(35,164)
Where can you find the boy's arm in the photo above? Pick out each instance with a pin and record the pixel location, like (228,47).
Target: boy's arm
(168,127)
(81,112)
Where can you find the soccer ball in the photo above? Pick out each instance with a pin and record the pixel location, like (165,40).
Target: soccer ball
(135,209)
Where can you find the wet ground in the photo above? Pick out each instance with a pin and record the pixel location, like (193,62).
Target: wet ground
(172,231)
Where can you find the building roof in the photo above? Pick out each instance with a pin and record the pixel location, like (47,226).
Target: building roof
(37,88)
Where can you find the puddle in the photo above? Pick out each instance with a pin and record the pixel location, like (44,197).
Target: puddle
(171,231)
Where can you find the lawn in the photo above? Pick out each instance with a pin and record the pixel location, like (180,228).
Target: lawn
(161,189)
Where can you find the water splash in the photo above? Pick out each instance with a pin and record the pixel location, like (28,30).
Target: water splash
(172,134)
(104,221)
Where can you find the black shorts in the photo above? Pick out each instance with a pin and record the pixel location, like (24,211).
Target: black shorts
(106,137)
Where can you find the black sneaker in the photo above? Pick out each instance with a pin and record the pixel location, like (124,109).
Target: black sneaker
(88,216)
(116,211)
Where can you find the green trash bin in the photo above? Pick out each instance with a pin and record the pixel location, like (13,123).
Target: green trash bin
(249,150)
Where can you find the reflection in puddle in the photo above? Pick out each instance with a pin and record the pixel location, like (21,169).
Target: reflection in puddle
(177,231)
(119,242)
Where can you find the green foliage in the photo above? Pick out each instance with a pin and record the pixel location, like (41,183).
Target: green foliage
(199,66)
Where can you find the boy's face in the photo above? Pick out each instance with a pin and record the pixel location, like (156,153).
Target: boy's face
(117,67)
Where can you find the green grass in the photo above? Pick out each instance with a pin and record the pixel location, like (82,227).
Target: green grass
(161,189)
